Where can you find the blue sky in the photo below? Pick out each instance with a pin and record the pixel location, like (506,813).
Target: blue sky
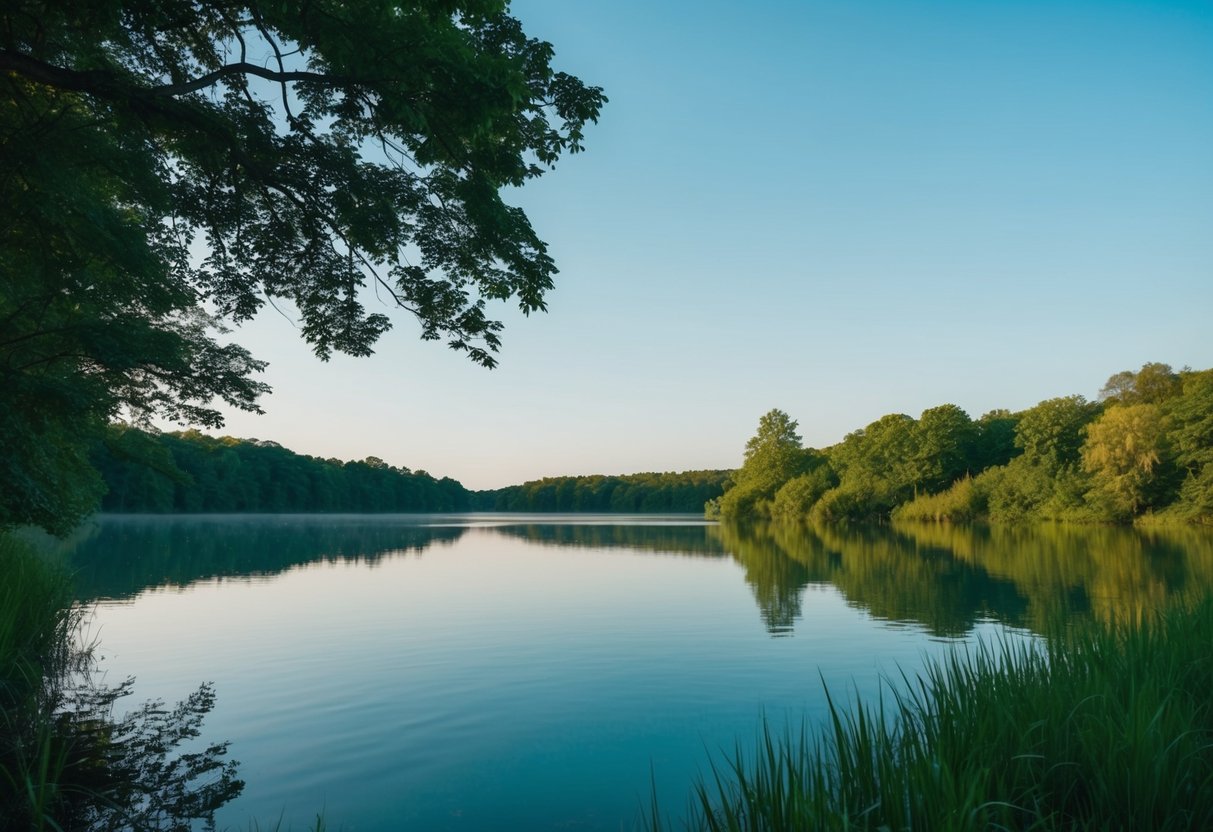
(841,209)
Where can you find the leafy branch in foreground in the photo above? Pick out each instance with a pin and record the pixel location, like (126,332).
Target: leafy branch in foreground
(172,166)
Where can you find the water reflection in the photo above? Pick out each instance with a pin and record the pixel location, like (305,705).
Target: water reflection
(118,557)
(949,578)
(944,578)
(696,540)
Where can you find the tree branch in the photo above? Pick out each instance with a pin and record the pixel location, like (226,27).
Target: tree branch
(96,80)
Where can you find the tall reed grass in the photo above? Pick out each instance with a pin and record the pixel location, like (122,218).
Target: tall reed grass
(36,627)
(67,763)
(1103,727)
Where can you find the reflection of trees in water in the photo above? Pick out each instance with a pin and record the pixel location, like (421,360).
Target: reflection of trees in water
(776,578)
(1110,573)
(947,577)
(887,574)
(944,577)
(874,570)
(119,557)
(695,540)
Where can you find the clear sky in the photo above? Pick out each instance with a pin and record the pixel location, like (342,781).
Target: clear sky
(842,209)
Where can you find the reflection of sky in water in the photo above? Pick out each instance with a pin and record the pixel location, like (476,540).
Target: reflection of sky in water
(529,675)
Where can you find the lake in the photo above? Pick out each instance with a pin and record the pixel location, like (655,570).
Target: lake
(485,672)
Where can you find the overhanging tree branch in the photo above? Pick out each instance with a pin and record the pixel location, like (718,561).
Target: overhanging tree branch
(105,81)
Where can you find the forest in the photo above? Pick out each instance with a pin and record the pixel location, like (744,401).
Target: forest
(1143,452)
(652,492)
(192,472)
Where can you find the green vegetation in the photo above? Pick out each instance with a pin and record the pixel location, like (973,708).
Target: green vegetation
(1143,453)
(666,492)
(1100,728)
(66,761)
(367,155)
(192,472)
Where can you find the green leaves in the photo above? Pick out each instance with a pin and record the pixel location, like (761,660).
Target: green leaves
(318,150)
(772,457)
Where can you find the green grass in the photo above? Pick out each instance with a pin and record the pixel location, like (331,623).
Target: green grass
(1099,728)
(66,761)
(36,628)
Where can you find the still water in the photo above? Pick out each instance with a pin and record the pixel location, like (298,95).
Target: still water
(504,672)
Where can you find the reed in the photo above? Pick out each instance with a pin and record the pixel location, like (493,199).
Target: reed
(66,761)
(36,626)
(1103,727)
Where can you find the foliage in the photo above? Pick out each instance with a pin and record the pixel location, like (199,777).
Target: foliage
(964,502)
(944,447)
(796,497)
(1125,455)
(313,152)
(1189,423)
(687,491)
(773,456)
(192,472)
(1152,384)
(1102,728)
(1145,454)
(66,761)
(995,443)
(1051,433)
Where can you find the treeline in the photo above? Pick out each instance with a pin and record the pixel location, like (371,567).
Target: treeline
(193,472)
(1143,451)
(665,492)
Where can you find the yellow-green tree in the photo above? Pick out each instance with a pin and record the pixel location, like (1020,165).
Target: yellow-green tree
(1124,452)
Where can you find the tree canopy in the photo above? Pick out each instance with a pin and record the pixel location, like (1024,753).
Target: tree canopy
(773,456)
(1145,449)
(170,166)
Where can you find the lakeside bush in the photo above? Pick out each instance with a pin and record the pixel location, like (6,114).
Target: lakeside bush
(964,502)
(1099,727)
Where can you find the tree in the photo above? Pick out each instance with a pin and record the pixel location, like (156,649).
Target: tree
(1123,451)
(1153,383)
(1190,432)
(313,151)
(875,467)
(1051,433)
(944,447)
(995,444)
(773,456)
(1045,480)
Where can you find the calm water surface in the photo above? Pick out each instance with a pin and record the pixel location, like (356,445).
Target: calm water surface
(482,672)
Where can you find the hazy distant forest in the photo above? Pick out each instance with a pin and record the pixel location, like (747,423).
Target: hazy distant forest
(192,472)
(1143,452)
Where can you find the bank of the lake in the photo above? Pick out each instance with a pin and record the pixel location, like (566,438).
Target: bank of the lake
(1102,727)
(1143,450)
